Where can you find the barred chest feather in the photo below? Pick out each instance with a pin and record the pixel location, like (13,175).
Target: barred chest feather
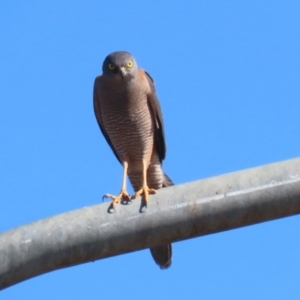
(128,121)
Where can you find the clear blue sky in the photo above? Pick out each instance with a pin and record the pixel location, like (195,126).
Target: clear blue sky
(227,75)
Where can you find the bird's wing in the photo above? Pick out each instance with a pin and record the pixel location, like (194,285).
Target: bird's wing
(97,110)
(157,118)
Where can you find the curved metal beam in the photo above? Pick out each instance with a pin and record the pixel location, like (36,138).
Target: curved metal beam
(173,214)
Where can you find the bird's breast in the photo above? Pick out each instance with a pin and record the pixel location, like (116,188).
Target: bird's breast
(127,120)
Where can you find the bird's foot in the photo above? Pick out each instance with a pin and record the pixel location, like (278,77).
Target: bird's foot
(115,199)
(145,192)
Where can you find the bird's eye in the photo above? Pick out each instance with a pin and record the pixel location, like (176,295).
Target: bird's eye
(130,64)
(111,66)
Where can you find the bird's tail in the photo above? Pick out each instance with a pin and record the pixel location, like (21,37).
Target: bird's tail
(162,254)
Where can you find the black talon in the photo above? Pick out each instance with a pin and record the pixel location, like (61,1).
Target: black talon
(110,208)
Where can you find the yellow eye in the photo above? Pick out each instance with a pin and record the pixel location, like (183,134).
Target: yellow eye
(111,66)
(130,64)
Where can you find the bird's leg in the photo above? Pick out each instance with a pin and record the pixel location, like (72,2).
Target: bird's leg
(123,194)
(145,190)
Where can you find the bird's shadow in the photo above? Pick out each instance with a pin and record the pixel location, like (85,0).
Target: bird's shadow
(111,208)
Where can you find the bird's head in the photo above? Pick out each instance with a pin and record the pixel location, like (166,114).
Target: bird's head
(120,65)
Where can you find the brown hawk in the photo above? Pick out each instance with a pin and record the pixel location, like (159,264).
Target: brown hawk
(130,118)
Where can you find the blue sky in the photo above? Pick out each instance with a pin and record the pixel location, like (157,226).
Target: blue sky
(227,74)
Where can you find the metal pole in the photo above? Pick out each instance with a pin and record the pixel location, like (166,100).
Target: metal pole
(173,214)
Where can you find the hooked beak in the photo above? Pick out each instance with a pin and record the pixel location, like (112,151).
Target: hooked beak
(122,72)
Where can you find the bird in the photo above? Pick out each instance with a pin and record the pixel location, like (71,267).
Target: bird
(129,115)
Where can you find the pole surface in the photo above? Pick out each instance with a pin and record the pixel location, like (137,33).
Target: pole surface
(176,213)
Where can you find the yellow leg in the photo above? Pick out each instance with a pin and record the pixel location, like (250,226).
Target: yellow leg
(145,191)
(123,194)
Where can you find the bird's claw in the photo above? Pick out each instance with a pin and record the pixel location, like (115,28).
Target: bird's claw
(110,208)
(145,192)
(108,196)
(115,199)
